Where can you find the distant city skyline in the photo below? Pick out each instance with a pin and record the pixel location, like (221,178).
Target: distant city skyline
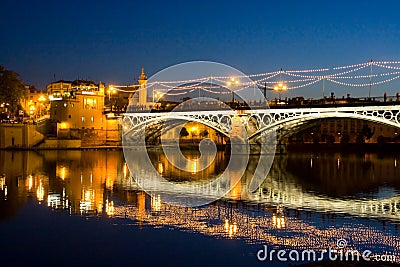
(111,42)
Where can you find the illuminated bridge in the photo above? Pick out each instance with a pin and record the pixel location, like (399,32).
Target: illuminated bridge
(285,121)
(285,116)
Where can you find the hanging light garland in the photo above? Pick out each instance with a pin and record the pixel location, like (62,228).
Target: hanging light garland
(268,79)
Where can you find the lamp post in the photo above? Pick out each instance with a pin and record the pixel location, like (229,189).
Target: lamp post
(281,86)
(233,82)
(111,90)
(41,100)
(157,95)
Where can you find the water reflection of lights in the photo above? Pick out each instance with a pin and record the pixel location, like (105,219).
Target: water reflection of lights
(30,182)
(3,186)
(244,222)
(54,200)
(62,171)
(40,191)
(255,227)
(87,202)
(110,208)
(194,166)
(156,203)
(109,183)
(2,182)
(278,221)
(230,228)
(125,170)
(278,218)
(160,168)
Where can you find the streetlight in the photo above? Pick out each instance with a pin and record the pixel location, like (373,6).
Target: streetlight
(157,95)
(233,82)
(279,88)
(111,90)
(41,100)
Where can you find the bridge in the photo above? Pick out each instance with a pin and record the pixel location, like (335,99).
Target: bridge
(285,121)
(261,113)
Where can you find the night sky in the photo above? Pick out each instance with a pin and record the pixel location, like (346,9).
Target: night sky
(110,41)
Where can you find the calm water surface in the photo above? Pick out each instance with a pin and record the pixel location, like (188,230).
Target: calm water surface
(84,207)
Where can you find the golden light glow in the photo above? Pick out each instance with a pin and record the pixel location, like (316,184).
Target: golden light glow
(40,192)
(125,170)
(232,82)
(110,208)
(88,195)
(111,89)
(30,182)
(156,203)
(2,182)
(42,98)
(160,168)
(194,166)
(62,172)
(278,221)
(109,183)
(280,86)
(64,125)
(230,228)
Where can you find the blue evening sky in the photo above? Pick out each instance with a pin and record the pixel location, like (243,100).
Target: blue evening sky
(111,40)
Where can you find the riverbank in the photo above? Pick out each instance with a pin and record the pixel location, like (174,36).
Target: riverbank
(361,148)
(353,148)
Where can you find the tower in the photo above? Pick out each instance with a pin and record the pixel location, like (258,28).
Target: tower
(142,88)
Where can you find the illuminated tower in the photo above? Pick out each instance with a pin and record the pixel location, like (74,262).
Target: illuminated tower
(142,89)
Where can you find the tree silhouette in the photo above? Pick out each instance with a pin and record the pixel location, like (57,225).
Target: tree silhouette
(204,133)
(12,89)
(183,132)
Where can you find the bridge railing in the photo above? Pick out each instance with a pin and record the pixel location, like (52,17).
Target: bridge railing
(294,102)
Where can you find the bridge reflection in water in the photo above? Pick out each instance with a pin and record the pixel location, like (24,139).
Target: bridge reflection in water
(307,201)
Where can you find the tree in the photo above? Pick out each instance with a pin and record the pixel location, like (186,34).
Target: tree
(184,132)
(204,133)
(12,89)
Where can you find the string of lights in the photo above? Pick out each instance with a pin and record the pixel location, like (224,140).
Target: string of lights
(363,84)
(268,79)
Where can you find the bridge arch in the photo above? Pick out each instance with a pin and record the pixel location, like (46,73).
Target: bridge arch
(295,123)
(221,123)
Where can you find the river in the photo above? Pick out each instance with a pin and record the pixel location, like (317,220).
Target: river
(85,208)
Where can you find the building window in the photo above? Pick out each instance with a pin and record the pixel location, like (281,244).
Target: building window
(83,119)
(69,116)
(89,103)
(92,119)
(72,105)
(65,105)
